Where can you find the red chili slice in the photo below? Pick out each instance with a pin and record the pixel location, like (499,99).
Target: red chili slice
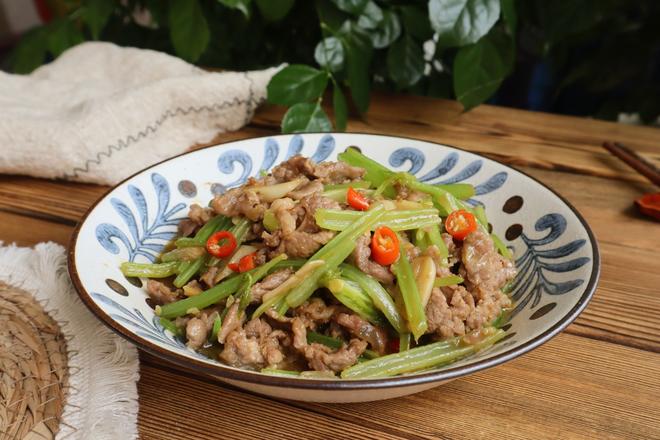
(356,200)
(649,204)
(218,250)
(384,246)
(460,223)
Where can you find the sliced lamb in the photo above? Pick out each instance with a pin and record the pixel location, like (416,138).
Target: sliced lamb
(374,335)
(308,206)
(196,333)
(269,283)
(314,312)
(322,358)
(199,215)
(241,351)
(361,255)
(337,172)
(453,250)
(187,227)
(296,244)
(231,322)
(239,201)
(255,346)
(160,293)
(310,188)
(296,166)
(484,266)
(209,276)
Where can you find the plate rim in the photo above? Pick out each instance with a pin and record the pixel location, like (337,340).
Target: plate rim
(225,372)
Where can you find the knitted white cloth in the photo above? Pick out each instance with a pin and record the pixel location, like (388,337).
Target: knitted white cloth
(100,112)
(103,368)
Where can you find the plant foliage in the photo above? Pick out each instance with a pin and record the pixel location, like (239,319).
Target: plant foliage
(460,49)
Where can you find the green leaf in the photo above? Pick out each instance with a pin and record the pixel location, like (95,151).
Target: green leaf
(330,15)
(62,35)
(387,32)
(340,108)
(30,51)
(296,83)
(509,14)
(241,5)
(354,7)
(462,22)
(480,68)
(274,10)
(371,17)
(305,117)
(329,53)
(405,61)
(189,31)
(96,15)
(416,22)
(358,58)
(158,10)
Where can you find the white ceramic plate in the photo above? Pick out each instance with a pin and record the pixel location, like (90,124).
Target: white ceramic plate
(554,249)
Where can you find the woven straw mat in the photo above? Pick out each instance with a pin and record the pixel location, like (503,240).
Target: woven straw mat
(33,368)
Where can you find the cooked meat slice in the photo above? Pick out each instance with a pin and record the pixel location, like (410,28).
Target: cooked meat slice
(199,215)
(314,312)
(453,249)
(209,276)
(160,293)
(241,351)
(239,201)
(271,342)
(411,250)
(484,266)
(405,193)
(196,333)
(441,318)
(187,227)
(303,244)
(255,346)
(374,335)
(269,283)
(261,256)
(308,206)
(306,190)
(322,358)
(337,172)
(361,255)
(231,322)
(296,166)
(283,211)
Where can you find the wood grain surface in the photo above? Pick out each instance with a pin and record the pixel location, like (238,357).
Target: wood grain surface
(600,379)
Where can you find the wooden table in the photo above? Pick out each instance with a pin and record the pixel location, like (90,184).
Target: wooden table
(598,379)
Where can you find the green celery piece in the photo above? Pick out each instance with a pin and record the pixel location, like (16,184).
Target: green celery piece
(501,247)
(328,341)
(449,280)
(374,172)
(379,296)
(362,184)
(419,358)
(334,253)
(218,292)
(169,325)
(352,296)
(338,220)
(149,270)
(188,269)
(414,309)
(404,342)
(435,238)
(217,325)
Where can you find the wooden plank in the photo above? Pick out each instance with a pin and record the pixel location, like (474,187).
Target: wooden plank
(172,407)
(571,387)
(539,140)
(28,231)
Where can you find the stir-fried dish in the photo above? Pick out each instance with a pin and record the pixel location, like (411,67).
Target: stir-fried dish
(338,268)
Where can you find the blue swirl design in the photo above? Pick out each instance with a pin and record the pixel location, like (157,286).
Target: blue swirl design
(150,330)
(535,263)
(416,158)
(295,146)
(227,161)
(147,238)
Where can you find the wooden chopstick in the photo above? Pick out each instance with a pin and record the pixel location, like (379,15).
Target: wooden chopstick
(634,160)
